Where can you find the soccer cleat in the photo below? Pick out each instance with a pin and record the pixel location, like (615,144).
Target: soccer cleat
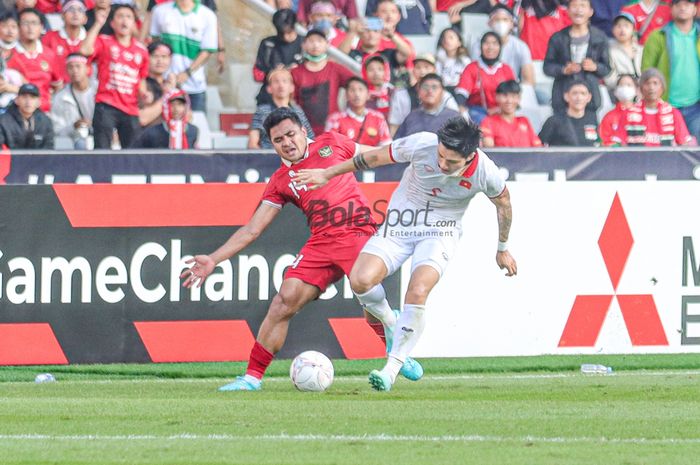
(242,384)
(379,380)
(411,369)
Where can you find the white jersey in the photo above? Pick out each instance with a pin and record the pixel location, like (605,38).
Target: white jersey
(423,183)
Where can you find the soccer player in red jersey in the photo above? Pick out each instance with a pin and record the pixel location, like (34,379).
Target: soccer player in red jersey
(122,68)
(329,253)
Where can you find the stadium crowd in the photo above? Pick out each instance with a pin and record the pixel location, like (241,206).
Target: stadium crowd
(622,73)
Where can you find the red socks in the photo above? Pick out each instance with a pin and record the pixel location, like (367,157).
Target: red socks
(379,329)
(260,359)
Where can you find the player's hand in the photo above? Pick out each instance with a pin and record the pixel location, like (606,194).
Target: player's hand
(195,276)
(181,78)
(312,179)
(506,261)
(571,68)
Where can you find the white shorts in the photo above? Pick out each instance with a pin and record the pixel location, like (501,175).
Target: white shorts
(428,246)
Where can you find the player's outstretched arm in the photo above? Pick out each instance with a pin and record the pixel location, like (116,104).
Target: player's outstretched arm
(203,265)
(505,214)
(364,160)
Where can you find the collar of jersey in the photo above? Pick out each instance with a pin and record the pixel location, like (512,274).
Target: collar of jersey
(64,35)
(469,172)
(22,50)
(288,163)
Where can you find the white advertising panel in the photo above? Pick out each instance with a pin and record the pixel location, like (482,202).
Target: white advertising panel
(603,267)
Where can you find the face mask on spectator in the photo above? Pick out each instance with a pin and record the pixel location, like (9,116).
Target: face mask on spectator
(502,28)
(315,58)
(324,25)
(625,93)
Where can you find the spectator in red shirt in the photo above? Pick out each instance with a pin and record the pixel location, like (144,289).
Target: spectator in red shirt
(323,16)
(505,129)
(626,94)
(35,62)
(361,124)
(649,15)
(318,80)
(540,19)
(654,122)
(347,8)
(65,41)
(389,13)
(477,86)
(375,70)
(122,66)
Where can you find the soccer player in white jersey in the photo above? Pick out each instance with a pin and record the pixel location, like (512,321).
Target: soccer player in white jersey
(423,221)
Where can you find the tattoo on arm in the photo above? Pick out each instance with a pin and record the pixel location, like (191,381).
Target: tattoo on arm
(360,162)
(505,215)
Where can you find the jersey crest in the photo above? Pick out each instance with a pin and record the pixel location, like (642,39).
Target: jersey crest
(325,152)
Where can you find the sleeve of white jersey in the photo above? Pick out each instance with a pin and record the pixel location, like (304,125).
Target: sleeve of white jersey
(405,149)
(495,184)
(155,21)
(210,39)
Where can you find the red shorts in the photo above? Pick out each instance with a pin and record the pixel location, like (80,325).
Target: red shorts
(324,259)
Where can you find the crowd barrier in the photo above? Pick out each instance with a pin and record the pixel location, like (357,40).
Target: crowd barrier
(89,272)
(246,166)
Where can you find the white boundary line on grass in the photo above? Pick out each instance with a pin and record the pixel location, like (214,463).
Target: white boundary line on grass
(346,438)
(572,374)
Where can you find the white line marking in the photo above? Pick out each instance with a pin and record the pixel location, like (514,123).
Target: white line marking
(347,438)
(477,377)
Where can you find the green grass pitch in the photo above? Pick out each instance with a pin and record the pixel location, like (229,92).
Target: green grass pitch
(501,411)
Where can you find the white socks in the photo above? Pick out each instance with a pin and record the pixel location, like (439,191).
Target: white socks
(374,301)
(409,328)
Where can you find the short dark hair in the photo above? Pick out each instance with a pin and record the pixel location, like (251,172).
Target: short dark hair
(576,82)
(32,11)
(510,86)
(284,19)
(278,115)
(431,77)
(8,15)
(153,46)
(460,135)
(377,57)
(356,79)
(119,6)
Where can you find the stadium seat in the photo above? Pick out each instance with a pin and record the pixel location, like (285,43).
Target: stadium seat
(235,124)
(543,83)
(63,143)
(537,115)
(473,27)
(424,44)
(199,119)
(606,103)
(441,21)
(243,85)
(227,142)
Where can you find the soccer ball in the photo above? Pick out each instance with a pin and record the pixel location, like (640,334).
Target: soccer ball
(311,371)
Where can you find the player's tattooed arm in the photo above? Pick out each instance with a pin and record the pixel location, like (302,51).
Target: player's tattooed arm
(504,212)
(363,160)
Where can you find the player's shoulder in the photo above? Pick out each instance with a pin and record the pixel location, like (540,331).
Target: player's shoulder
(138,45)
(330,138)
(374,114)
(420,140)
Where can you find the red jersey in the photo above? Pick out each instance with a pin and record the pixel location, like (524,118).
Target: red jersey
(338,207)
(371,129)
(536,32)
(519,133)
(609,127)
(663,126)
(120,70)
(317,92)
(478,82)
(62,46)
(662,15)
(387,44)
(39,67)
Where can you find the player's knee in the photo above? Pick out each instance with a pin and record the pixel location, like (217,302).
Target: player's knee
(361,283)
(417,294)
(283,306)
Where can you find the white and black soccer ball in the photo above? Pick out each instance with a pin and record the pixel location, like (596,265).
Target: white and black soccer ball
(311,371)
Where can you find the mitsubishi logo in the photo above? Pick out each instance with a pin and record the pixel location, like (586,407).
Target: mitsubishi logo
(638,311)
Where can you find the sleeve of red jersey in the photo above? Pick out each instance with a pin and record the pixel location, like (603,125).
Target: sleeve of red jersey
(347,148)
(143,70)
(486,128)
(466,81)
(682,134)
(534,140)
(97,49)
(272,195)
